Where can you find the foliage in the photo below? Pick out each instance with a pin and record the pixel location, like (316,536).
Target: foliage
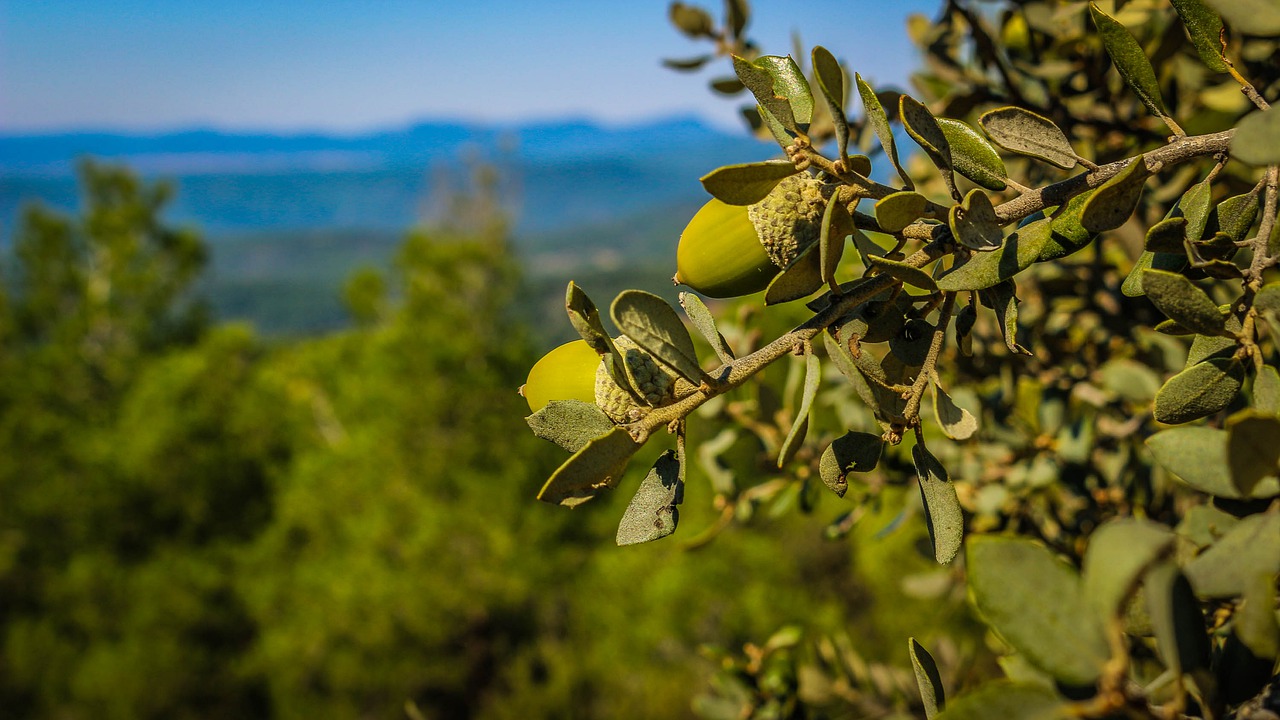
(1127,566)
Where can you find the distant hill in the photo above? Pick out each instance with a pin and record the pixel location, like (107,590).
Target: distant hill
(287,216)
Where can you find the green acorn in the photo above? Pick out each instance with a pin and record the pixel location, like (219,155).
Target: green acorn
(566,373)
(652,380)
(733,250)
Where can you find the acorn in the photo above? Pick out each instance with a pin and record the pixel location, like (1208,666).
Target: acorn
(655,382)
(733,250)
(566,373)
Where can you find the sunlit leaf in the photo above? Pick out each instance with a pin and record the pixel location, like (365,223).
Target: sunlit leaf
(654,325)
(837,224)
(1205,28)
(880,123)
(571,424)
(653,513)
(906,273)
(1027,133)
(983,270)
(973,156)
(923,127)
(1253,448)
(1256,624)
(1200,390)
(1266,390)
(851,452)
(1251,17)
(942,507)
(596,466)
(898,210)
(1257,139)
(974,223)
(1183,302)
(1130,59)
(705,323)
(747,183)
(1008,701)
(1198,457)
(928,679)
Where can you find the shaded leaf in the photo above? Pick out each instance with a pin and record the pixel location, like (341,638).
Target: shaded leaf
(845,363)
(1198,457)
(1115,200)
(691,20)
(1229,566)
(1235,215)
(830,77)
(906,273)
(801,280)
(1167,236)
(585,318)
(1176,619)
(983,270)
(1037,604)
(1194,205)
(571,424)
(688,63)
(1132,286)
(956,422)
(654,325)
(851,452)
(1200,390)
(1266,390)
(1205,28)
(705,323)
(737,15)
(880,123)
(1257,138)
(1066,223)
(1253,448)
(911,345)
(837,224)
(652,513)
(1008,701)
(898,210)
(1130,59)
(1119,553)
(1183,302)
(927,679)
(1130,379)
(973,156)
(1003,299)
(1027,133)
(747,183)
(597,465)
(974,223)
(942,507)
(800,426)
(1256,624)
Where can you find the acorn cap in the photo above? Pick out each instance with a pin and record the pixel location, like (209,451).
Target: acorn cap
(789,218)
(655,382)
(566,373)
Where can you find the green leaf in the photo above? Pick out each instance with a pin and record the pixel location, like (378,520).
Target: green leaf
(830,77)
(974,223)
(928,679)
(705,323)
(1027,133)
(973,156)
(691,20)
(1266,390)
(1115,200)
(1267,299)
(880,123)
(1195,204)
(1251,17)
(747,183)
(1130,379)
(800,426)
(597,465)
(845,363)
(1037,604)
(1205,28)
(1176,619)
(801,280)
(984,270)
(1198,457)
(1183,302)
(1119,553)
(737,15)
(1229,566)
(1201,390)
(943,515)
(923,127)
(837,224)
(585,318)
(956,422)
(1256,624)
(571,424)
(1132,286)
(1003,298)
(654,325)
(1167,236)
(686,64)
(652,513)
(1253,448)
(1130,59)
(906,273)
(1235,215)
(780,89)
(911,345)
(851,452)
(1008,701)
(1066,222)
(898,210)
(1257,138)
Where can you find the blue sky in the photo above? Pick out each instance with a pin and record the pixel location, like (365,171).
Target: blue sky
(347,66)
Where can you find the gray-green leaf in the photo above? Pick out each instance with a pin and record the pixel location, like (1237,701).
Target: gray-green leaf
(923,127)
(571,424)
(1198,457)
(1251,17)
(1119,553)
(898,210)
(956,422)
(1253,448)
(1027,133)
(1130,59)
(830,77)
(652,513)
(974,223)
(1176,619)
(852,452)
(928,679)
(747,183)
(942,507)
(880,123)
(597,465)
(800,426)
(654,325)
(908,274)
(1250,548)
(1200,390)
(1257,138)
(1115,200)
(983,270)
(1037,603)
(1183,302)
(1008,701)
(1205,28)
(702,319)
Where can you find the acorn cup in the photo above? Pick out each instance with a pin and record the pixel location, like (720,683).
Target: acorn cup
(574,371)
(733,250)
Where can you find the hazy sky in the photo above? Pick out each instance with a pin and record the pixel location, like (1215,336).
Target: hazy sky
(343,65)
